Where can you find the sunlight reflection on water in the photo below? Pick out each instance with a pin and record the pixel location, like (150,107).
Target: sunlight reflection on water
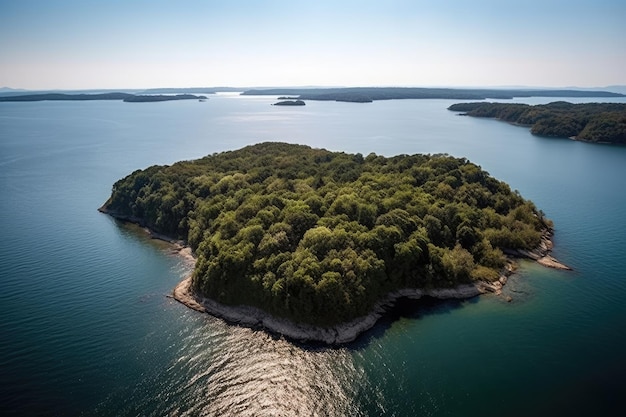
(229,370)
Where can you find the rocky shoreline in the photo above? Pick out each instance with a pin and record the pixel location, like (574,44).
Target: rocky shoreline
(348,332)
(337,335)
(541,254)
(345,332)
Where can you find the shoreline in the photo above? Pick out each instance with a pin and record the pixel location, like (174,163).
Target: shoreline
(348,332)
(342,333)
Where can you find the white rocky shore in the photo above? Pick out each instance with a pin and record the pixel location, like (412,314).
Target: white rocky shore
(344,332)
(541,254)
(348,332)
(336,335)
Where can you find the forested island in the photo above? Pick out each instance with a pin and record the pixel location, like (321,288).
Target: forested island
(290,103)
(591,122)
(369,94)
(129,98)
(318,239)
(66,97)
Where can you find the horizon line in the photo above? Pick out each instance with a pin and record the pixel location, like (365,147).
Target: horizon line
(265,87)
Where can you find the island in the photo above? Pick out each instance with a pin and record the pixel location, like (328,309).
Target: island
(66,97)
(126,97)
(160,97)
(590,122)
(370,94)
(314,245)
(188,90)
(290,103)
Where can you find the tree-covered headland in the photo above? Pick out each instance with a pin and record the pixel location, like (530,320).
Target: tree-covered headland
(591,122)
(318,237)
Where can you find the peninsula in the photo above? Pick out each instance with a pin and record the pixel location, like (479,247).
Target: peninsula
(313,244)
(590,122)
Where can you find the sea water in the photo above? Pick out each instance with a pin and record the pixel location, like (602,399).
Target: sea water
(86,327)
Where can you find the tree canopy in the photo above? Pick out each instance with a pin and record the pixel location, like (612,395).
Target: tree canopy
(592,122)
(318,236)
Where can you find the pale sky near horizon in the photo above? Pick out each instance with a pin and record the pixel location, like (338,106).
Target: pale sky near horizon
(82,44)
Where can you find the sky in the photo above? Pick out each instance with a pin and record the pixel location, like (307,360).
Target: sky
(109,44)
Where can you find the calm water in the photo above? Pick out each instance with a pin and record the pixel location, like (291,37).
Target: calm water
(86,329)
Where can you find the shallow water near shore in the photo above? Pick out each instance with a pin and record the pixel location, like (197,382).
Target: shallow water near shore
(86,327)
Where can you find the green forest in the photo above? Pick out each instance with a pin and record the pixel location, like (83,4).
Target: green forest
(591,122)
(318,237)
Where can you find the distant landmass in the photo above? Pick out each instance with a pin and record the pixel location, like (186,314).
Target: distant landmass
(350,94)
(369,94)
(617,89)
(66,97)
(621,89)
(6,91)
(153,98)
(590,122)
(197,90)
(129,98)
(290,103)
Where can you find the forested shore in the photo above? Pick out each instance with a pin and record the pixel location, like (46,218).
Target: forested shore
(590,122)
(320,237)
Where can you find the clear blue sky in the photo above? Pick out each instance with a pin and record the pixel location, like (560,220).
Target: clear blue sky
(76,44)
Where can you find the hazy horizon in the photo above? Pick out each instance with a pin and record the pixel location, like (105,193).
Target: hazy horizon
(249,87)
(88,44)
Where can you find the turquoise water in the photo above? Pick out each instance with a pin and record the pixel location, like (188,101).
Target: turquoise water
(86,328)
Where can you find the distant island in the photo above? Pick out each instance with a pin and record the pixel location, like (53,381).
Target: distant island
(192,90)
(590,122)
(313,244)
(155,98)
(369,94)
(66,97)
(129,98)
(290,103)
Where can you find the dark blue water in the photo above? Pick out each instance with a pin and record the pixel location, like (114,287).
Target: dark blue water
(86,328)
